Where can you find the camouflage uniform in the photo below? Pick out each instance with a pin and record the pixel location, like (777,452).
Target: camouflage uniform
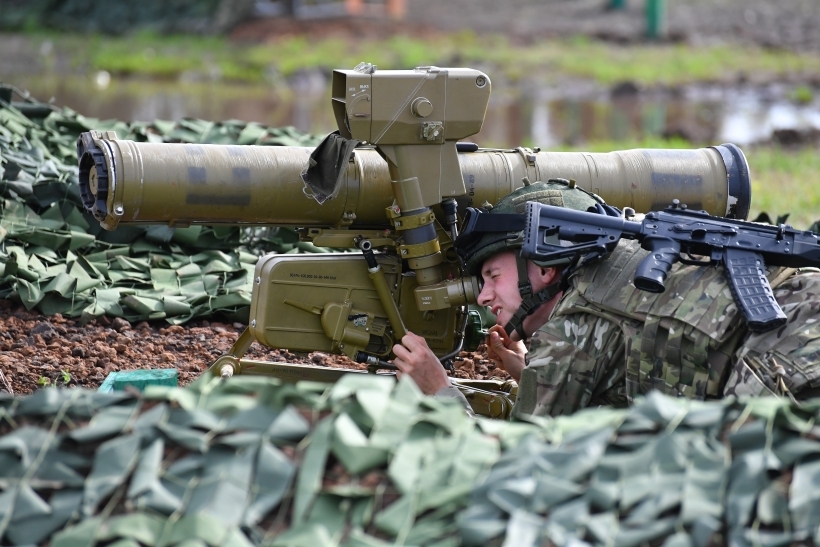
(608,341)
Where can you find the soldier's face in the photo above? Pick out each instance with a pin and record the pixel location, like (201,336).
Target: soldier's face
(500,290)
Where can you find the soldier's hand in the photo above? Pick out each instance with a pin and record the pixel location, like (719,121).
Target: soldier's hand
(415,358)
(507,354)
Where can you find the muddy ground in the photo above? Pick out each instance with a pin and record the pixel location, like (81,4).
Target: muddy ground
(781,24)
(38,351)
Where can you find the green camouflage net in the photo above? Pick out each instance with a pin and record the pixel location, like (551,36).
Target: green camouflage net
(55,258)
(369,463)
(666,472)
(245,462)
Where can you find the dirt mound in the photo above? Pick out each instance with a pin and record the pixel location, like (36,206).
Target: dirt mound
(37,351)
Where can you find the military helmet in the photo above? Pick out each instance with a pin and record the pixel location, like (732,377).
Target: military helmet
(478,246)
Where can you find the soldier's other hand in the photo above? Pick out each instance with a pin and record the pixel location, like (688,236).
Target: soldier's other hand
(415,358)
(507,354)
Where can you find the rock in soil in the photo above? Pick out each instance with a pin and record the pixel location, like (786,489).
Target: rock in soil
(38,351)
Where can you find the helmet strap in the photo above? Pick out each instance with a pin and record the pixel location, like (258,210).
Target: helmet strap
(529,301)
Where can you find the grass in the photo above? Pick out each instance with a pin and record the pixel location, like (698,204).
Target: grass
(785,181)
(671,64)
(148,54)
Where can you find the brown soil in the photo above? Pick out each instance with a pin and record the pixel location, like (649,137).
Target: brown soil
(38,351)
(271,29)
(785,24)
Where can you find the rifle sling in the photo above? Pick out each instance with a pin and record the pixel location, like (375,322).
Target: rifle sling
(780,275)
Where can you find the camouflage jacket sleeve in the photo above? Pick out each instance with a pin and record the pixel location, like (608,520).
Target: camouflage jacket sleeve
(574,361)
(784,361)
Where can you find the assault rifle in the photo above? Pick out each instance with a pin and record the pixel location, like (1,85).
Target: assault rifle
(742,248)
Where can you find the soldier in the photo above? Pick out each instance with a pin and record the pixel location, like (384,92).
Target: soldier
(595,339)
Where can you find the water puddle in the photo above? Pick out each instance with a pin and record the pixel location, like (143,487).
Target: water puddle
(529,114)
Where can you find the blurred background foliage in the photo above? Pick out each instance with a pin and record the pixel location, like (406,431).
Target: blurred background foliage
(149,51)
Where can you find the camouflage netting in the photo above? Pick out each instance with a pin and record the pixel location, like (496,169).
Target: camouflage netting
(55,257)
(665,472)
(230,464)
(373,463)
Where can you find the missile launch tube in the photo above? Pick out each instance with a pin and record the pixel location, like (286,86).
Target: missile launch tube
(127,182)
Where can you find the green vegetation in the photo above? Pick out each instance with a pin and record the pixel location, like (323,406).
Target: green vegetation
(802,94)
(785,181)
(670,64)
(164,56)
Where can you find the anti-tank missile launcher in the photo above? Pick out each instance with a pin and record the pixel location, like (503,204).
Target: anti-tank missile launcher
(128,182)
(393,184)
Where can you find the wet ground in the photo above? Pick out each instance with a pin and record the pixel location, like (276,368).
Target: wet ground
(527,113)
(743,109)
(784,24)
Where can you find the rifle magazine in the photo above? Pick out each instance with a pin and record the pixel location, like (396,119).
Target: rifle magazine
(746,273)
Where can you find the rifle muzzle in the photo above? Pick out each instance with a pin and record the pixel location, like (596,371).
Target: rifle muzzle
(130,182)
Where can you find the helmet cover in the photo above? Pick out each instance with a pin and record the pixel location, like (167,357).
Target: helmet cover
(556,192)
